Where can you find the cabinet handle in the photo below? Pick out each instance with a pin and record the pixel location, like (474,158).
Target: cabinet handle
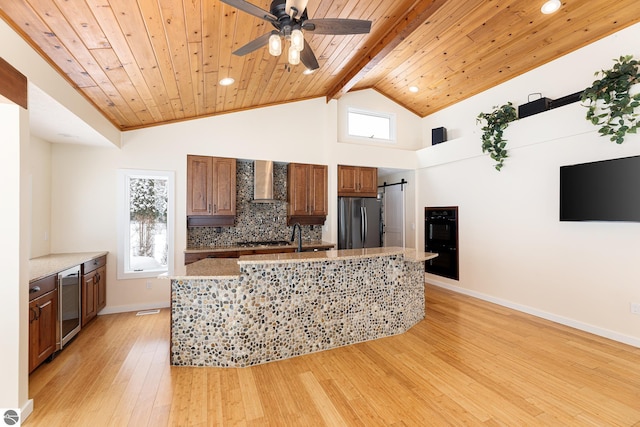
(34,289)
(209,210)
(215,208)
(35,315)
(40,307)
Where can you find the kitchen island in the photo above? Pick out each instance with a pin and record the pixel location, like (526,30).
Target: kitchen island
(278,306)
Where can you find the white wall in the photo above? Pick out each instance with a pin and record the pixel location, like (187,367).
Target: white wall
(40,196)
(14,253)
(513,248)
(407,123)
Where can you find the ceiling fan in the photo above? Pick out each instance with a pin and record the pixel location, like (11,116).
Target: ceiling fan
(289,17)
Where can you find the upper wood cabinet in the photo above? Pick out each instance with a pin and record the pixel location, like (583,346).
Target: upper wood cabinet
(307,194)
(211,190)
(357,181)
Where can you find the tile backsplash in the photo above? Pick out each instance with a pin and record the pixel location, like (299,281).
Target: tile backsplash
(254,221)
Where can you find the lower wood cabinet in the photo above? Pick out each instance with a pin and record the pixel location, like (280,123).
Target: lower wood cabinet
(94,288)
(43,320)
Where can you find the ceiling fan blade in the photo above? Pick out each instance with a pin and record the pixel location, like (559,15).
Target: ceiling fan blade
(299,5)
(308,58)
(251,9)
(337,26)
(254,44)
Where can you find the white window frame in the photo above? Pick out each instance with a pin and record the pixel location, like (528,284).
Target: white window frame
(391,117)
(124,246)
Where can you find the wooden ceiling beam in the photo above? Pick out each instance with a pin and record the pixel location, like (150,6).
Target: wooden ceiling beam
(418,14)
(13,84)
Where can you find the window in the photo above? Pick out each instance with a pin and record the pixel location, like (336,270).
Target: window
(372,125)
(145,223)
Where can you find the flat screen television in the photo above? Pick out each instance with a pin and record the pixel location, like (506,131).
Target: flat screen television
(607,190)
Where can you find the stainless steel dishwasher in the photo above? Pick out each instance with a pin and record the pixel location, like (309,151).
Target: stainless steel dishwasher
(70,304)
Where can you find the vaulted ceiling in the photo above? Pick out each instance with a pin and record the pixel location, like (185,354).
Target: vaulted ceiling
(148,62)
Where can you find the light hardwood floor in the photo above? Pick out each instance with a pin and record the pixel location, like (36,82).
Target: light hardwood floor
(468,363)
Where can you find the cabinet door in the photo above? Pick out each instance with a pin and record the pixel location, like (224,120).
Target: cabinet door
(224,186)
(318,190)
(199,185)
(347,180)
(298,189)
(89,308)
(368,181)
(101,288)
(43,320)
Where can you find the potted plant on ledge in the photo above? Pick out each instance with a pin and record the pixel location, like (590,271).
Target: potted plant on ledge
(495,124)
(610,102)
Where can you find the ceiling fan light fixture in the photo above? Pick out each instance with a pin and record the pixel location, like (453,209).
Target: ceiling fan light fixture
(294,55)
(550,6)
(297,39)
(275,45)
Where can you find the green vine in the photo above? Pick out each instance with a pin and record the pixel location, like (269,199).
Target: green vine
(496,122)
(615,114)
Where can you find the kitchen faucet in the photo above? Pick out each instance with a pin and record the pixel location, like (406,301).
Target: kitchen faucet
(293,236)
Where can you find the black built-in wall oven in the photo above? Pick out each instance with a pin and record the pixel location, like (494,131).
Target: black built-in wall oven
(441,236)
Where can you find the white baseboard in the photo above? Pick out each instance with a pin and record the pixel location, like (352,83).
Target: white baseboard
(26,410)
(635,342)
(133,307)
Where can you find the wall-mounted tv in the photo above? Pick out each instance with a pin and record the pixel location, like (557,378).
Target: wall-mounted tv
(607,190)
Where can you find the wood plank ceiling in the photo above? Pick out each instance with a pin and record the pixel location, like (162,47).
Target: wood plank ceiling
(149,62)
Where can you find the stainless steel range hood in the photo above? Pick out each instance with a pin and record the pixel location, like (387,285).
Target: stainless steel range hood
(263,182)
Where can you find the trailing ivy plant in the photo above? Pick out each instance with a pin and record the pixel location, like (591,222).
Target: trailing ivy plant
(610,105)
(495,124)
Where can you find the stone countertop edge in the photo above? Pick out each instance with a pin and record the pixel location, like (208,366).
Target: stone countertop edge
(335,255)
(293,245)
(47,265)
(229,268)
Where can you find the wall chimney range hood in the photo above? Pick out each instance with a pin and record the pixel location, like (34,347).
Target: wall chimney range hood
(263,182)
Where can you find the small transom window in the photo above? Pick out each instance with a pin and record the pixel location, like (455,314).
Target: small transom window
(372,125)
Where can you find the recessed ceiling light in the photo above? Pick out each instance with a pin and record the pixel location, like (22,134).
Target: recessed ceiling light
(227,81)
(550,6)
(413,89)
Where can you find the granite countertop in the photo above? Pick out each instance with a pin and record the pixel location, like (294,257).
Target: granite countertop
(54,263)
(305,245)
(409,254)
(212,268)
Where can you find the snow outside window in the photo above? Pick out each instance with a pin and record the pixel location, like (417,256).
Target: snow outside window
(145,226)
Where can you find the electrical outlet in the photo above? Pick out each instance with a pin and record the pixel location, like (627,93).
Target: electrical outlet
(635,308)
(148,284)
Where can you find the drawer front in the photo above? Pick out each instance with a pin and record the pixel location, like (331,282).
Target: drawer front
(37,288)
(95,263)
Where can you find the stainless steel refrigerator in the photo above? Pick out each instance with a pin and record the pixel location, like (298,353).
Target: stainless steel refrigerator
(359,222)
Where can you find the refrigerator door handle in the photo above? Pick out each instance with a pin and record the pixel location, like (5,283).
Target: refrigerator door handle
(364,226)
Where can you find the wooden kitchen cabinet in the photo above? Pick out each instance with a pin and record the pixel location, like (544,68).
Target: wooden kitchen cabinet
(356,181)
(43,320)
(307,194)
(211,191)
(94,288)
